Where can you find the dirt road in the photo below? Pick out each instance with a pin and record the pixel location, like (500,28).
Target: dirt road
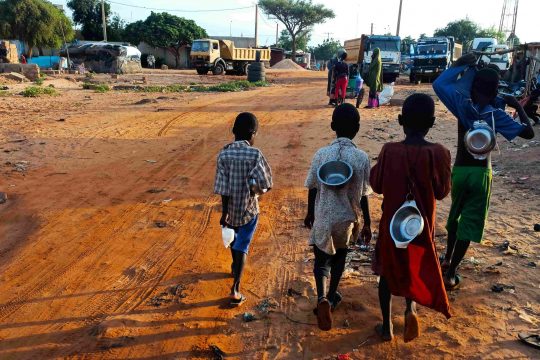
(110,242)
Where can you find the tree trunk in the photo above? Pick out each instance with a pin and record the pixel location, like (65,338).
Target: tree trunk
(293,45)
(177,57)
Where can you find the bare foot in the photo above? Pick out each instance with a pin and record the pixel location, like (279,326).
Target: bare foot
(412,326)
(385,334)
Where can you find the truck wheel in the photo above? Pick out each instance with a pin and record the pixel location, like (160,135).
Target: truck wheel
(412,78)
(245,69)
(202,71)
(219,69)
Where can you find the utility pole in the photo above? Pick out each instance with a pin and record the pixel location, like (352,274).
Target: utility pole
(230,28)
(256,25)
(104,20)
(277,33)
(371,28)
(399,17)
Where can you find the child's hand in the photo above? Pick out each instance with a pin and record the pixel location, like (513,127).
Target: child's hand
(365,234)
(224,219)
(309,220)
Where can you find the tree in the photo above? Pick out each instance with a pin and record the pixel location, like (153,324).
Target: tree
(35,22)
(326,50)
(87,14)
(464,31)
(297,15)
(166,31)
(406,43)
(513,39)
(492,33)
(285,40)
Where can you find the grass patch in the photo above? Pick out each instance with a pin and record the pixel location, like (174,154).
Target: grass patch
(231,86)
(99,88)
(36,91)
(39,81)
(4,93)
(164,89)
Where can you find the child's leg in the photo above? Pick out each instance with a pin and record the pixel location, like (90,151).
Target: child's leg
(412,326)
(239,251)
(321,271)
(232,257)
(459,253)
(239,261)
(338,266)
(385,302)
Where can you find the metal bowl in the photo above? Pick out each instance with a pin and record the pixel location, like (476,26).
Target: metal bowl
(335,173)
(407,223)
(480,140)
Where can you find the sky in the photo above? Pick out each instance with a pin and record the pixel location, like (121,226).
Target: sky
(353,17)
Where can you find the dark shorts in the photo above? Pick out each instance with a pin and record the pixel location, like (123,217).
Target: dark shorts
(244,235)
(471,191)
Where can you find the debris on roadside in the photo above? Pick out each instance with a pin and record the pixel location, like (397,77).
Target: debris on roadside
(267,305)
(160,224)
(3,197)
(248,317)
(155,190)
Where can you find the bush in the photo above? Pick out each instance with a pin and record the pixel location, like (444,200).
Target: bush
(232,86)
(39,81)
(36,91)
(99,88)
(4,93)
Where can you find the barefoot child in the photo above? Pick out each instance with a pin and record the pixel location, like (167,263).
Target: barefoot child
(423,169)
(237,164)
(470,98)
(333,214)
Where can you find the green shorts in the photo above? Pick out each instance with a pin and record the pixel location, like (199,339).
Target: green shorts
(471,191)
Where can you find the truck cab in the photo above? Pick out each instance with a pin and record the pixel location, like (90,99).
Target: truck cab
(390,47)
(204,53)
(432,56)
(502,61)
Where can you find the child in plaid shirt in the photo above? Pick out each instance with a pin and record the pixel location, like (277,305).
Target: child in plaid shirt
(238,164)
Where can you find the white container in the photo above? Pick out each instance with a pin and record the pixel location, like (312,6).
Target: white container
(227,234)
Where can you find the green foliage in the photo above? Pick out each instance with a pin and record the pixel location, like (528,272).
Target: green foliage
(164,89)
(492,33)
(36,22)
(4,93)
(326,50)
(406,43)
(302,40)
(232,86)
(36,91)
(465,30)
(99,88)
(298,16)
(39,81)
(165,31)
(87,14)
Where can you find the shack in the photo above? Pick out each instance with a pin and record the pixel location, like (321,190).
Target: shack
(104,57)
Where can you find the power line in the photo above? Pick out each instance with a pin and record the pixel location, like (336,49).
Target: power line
(179,10)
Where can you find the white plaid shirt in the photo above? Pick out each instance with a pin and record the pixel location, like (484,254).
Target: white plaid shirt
(236,164)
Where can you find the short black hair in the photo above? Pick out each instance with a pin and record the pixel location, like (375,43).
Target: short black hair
(486,82)
(345,119)
(245,125)
(418,112)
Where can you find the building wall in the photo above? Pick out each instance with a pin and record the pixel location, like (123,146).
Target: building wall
(168,56)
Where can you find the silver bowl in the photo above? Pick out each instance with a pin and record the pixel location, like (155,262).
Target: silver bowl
(407,223)
(480,140)
(335,173)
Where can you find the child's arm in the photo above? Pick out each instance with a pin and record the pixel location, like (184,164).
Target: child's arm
(310,217)
(365,234)
(442,175)
(224,210)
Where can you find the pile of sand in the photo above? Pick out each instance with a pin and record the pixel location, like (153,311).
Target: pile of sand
(287,64)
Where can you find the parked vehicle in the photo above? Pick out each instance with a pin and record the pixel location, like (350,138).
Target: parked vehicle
(220,56)
(481,44)
(360,50)
(432,56)
(502,61)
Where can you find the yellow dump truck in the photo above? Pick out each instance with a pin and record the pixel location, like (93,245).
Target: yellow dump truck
(220,56)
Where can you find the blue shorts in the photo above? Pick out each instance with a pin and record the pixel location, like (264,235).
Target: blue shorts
(243,236)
